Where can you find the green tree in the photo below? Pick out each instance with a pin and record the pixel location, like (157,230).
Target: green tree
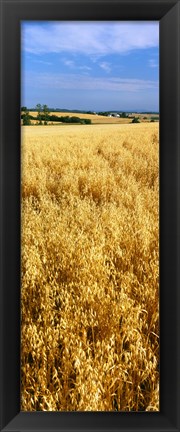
(23,109)
(45,114)
(39,111)
(25,116)
(86,121)
(135,120)
(123,115)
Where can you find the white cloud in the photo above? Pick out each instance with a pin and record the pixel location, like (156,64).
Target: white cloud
(85,68)
(82,82)
(69,63)
(43,62)
(93,39)
(153,63)
(105,66)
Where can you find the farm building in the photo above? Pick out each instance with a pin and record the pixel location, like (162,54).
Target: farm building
(113,115)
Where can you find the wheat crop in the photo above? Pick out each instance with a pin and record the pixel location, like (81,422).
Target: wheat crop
(90,268)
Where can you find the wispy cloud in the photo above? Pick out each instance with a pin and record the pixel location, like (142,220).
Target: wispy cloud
(42,62)
(105,66)
(89,38)
(153,63)
(72,65)
(82,82)
(69,63)
(85,68)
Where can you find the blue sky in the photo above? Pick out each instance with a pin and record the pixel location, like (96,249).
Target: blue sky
(95,66)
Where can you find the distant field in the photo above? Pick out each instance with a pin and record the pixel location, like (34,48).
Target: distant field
(90,268)
(98,119)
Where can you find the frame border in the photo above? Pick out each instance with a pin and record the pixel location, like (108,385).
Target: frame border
(168,13)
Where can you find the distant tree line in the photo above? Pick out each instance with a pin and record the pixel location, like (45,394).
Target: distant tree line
(43,117)
(68,119)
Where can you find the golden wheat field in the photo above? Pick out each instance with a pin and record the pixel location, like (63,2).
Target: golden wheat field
(90,268)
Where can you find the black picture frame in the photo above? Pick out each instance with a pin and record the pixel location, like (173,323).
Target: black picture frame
(168,14)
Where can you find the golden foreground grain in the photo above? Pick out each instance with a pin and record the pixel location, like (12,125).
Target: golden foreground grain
(90,268)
